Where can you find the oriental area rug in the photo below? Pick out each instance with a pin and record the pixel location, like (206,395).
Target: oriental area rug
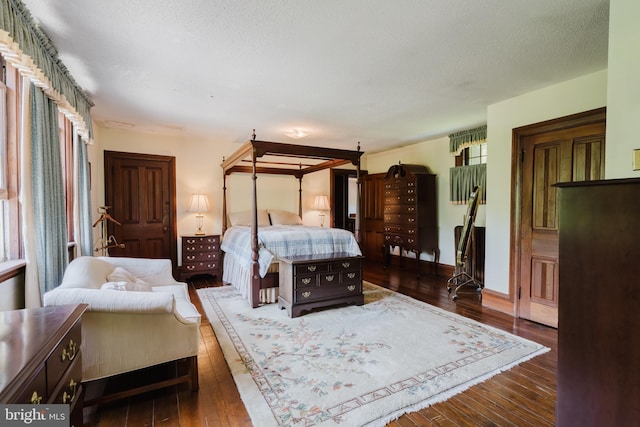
(354,365)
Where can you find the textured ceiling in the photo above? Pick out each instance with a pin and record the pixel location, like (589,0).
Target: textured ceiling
(385,73)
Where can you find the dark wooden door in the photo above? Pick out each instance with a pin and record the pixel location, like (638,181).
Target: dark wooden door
(140,190)
(569,154)
(373,216)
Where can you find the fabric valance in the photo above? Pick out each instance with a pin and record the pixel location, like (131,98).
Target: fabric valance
(29,49)
(466,138)
(463,179)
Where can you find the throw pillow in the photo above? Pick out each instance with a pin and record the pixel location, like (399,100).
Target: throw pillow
(122,275)
(279,217)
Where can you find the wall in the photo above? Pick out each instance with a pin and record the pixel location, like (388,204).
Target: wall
(435,155)
(198,171)
(623,91)
(573,96)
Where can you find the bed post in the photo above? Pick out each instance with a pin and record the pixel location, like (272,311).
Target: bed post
(358,199)
(300,195)
(224,200)
(255,267)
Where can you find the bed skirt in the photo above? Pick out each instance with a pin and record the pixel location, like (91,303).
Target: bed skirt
(237,275)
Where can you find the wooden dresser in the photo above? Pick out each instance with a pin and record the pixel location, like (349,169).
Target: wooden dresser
(599,304)
(410,212)
(313,281)
(200,255)
(42,363)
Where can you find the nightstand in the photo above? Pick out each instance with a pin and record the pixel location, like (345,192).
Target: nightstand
(201,255)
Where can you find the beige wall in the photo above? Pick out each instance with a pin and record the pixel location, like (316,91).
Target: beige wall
(623,91)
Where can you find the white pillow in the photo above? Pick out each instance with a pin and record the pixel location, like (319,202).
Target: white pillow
(279,217)
(244,218)
(126,286)
(119,274)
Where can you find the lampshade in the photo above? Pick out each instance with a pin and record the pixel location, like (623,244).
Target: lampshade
(321,203)
(199,203)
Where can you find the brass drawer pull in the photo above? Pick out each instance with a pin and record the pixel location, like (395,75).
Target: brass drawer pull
(311,267)
(351,288)
(306,294)
(69,397)
(329,278)
(346,264)
(69,352)
(35,399)
(306,280)
(351,275)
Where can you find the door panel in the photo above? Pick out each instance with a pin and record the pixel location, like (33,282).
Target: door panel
(141,192)
(549,157)
(373,216)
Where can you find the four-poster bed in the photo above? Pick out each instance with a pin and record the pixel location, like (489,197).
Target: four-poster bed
(263,157)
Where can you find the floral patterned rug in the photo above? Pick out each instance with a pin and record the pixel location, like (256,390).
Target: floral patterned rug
(354,366)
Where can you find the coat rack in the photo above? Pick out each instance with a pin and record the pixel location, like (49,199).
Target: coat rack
(106,242)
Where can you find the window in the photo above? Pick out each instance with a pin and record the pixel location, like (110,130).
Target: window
(475,155)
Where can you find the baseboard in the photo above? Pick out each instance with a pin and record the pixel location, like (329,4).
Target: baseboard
(498,301)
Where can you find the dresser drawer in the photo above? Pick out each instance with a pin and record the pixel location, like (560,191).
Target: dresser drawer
(330,278)
(68,389)
(321,293)
(200,256)
(311,268)
(409,209)
(201,241)
(302,281)
(200,266)
(63,356)
(346,265)
(400,219)
(201,248)
(36,391)
(395,229)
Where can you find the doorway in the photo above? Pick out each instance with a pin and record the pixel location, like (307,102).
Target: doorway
(344,198)
(567,149)
(140,191)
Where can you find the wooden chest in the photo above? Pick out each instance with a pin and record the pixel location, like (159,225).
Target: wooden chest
(200,255)
(313,281)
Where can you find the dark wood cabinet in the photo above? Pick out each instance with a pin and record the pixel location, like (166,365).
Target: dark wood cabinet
(599,304)
(410,211)
(43,362)
(200,255)
(313,281)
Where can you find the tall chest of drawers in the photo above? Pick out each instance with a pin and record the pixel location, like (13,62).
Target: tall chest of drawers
(410,212)
(200,255)
(43,364)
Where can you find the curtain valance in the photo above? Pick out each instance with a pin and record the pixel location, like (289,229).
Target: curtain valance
(466,138)
(464,179)
(29,49)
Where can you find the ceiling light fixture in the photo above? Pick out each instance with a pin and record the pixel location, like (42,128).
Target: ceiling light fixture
(297,134)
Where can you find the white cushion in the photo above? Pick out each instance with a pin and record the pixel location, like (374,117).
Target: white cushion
(86,272)
(126,286)
(244,218)
(279,217)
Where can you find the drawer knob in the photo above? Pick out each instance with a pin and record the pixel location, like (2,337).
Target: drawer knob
(306,294)
(329,278)
(35,399)
(346,264)
(69,353)
(311,267)
(69,397)
(306,280)
(351,288)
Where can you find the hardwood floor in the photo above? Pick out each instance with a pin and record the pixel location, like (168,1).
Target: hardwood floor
(522,396)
